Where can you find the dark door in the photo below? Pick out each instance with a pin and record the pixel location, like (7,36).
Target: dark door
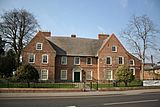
(76,76)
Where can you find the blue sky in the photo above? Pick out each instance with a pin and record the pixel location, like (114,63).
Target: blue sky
(85,18)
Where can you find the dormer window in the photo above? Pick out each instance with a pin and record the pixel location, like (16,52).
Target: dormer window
(131,62)
(114,48)
(39,46)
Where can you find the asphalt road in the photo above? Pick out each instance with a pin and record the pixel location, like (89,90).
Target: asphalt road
(138,100)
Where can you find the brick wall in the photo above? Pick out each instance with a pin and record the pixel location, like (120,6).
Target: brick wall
(70,66)
(46,49)
(106,50)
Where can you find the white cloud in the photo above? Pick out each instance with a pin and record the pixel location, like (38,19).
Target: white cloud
(124,3)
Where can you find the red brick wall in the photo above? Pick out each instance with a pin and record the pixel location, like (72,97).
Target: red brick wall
(46,49)
(70,65)
(107,51)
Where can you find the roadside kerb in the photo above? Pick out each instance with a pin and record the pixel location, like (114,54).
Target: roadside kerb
(75,94)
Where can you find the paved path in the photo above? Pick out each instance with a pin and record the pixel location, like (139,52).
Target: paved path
(65,94)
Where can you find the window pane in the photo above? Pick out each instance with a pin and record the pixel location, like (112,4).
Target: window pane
(31,58)
(63,74)
(131,62)
(39,46)
(89,75)
(44,74)
(108,60)
(63,60)
(120,60)
(89,61)
(44,58)
(114,49)
(76,60)
(108,75)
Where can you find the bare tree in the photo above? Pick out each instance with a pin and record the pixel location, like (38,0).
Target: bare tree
(140,34)
(17,28)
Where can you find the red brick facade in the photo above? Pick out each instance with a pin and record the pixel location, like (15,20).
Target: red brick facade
(97,70)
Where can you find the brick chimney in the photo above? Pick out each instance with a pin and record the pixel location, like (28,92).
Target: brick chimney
(103,36)
(47,34)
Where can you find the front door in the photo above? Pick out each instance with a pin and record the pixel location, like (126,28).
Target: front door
(76,76)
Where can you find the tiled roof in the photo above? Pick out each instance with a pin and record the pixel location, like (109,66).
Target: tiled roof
(75,46)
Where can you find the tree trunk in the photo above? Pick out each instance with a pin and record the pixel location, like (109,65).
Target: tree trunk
(28,84)
(125,84)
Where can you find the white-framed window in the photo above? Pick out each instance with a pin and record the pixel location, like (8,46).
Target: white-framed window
(133,70)
(108,75)
(44,74)
(114,48)
(64,60)
(63,74)
(109,60)
(89,75)
(31,58)
(120,60)
(76,60)
(39,46)
(89,61)
(45,58)
(131,62)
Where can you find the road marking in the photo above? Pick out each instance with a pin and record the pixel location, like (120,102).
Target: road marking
(131,102)
(70,106)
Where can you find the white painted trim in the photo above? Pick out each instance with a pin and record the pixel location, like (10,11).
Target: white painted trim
(115,48)
(37,45)
(47,58)
(91,75)
(110,60)
(79,61)
(87,61)
(133,62)
(134,70)
(65,73)
(122,60)
(41,74)
(66,60)
(111,74)
(34,57)
(73,71)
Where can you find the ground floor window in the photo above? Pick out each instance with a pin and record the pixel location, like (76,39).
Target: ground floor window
(44,74)
(63,74)
(89,75)
(133,71)
(108,75)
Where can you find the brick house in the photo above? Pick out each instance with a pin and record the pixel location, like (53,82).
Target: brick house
(73,59)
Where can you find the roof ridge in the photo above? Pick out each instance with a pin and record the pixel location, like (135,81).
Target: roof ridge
(74,38)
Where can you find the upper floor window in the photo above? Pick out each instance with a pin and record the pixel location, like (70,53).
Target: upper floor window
(44,58)
(64,60)
(108,75)
(76,60)
(44,74)
(89,61)
(89,75)
(39,46)
(120,60)
(131,62)
(133,71)
(63,74)
(114,48)
(31,58)
(109,60)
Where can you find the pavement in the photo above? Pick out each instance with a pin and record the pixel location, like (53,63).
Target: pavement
(70,94)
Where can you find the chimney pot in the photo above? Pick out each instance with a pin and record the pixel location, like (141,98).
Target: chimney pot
(103,36)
